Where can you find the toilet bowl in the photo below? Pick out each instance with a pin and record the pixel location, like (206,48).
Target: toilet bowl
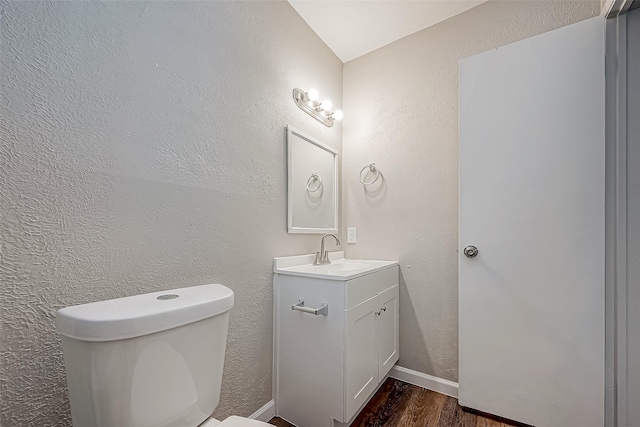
(152,360)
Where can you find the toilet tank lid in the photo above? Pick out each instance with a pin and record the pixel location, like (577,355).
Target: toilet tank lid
(130,317)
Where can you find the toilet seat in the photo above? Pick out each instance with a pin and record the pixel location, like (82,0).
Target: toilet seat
(234,421)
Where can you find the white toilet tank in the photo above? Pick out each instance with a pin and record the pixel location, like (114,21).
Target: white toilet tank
(152,360)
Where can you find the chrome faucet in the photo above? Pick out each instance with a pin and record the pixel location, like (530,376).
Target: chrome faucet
(322,257)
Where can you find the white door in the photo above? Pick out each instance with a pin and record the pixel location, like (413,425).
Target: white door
(388,330)
(361,347)
(632,307)
(532,202)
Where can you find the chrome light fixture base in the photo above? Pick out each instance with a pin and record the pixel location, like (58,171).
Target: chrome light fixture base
(312,108)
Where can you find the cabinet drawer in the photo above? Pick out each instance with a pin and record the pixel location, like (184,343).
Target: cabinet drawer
(362,288)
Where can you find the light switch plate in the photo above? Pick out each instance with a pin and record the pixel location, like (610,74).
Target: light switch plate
(351,235)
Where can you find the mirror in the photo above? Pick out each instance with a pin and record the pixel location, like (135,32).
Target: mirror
(312,190)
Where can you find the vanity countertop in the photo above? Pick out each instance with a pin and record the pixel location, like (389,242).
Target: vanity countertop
(339,269)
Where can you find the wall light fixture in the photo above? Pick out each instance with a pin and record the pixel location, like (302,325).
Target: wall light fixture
(321,111)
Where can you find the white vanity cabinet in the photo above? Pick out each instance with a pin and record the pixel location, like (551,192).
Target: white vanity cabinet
(328,366)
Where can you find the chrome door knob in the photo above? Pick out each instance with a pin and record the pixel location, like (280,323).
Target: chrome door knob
(470,251)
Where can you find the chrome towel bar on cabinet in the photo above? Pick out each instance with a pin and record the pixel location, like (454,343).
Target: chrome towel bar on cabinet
(324,308)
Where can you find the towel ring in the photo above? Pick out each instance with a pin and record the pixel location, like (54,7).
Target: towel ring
(372,168)
(314,177)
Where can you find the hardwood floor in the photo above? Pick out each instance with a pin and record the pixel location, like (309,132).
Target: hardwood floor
(400,404)
(280,422)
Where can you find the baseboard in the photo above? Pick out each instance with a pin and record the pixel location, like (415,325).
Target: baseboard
(425,381)
(265,413)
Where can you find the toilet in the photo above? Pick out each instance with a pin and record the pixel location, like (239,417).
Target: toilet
(152,360)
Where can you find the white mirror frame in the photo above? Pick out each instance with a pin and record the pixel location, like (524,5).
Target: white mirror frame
(310,230)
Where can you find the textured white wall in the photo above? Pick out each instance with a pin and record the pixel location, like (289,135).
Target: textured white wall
(401,113)
(142,149)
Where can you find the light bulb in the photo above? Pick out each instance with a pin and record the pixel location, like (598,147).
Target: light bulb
(337,115)
(326,105)
(313,95)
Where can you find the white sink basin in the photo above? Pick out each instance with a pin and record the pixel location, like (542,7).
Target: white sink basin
(339,269)
(346,265)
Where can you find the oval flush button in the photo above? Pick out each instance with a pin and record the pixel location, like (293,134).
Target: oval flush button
(168,296)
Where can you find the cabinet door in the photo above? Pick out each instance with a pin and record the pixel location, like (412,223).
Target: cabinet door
(388,327)
(361,354)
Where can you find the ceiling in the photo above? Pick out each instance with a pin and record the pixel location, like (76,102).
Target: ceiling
(352,28)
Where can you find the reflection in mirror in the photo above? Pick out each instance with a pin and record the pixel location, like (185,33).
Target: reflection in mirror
(312,169)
